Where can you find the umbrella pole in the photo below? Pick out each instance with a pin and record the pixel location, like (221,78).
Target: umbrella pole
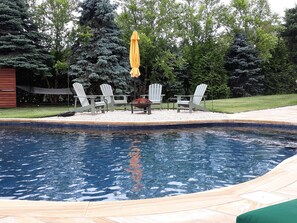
(134,88)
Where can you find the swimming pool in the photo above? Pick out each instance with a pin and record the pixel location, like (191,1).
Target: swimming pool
(42,164)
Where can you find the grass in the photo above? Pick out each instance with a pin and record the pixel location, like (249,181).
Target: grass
(232,105)
(235,105)
(32,111)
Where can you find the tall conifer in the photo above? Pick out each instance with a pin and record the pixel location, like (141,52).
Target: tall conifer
(103,58)
(290,33)
(244,68)
(20,42)
(280,73)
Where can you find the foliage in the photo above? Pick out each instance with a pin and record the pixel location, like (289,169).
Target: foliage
(209,69)
(56,18)
(203,48)
(290,33)
(254,17)
(155,22)
(102,56)
(20,42)
(244,67)
(174,38)
(182,43)
(280,73)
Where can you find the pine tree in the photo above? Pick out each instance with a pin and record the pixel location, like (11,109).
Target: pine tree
(20,42)
(279,71)
(290,33)
(244,68)
(103,58)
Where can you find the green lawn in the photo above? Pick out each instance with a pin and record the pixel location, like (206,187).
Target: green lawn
(32,111)
(225,105)
(251,103)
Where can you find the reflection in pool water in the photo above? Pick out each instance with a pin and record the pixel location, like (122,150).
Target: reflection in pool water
(42,164)
(135,167)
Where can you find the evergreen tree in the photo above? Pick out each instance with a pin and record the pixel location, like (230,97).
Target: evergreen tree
(208,68)
(244,68)
(101,58)
(20,42)
(279,71)
(256,19)
(290,33)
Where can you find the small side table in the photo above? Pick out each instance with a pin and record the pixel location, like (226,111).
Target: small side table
(171,100)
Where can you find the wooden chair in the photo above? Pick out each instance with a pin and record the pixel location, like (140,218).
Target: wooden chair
(192,102)
(84,100)
(113,100)
(155,94)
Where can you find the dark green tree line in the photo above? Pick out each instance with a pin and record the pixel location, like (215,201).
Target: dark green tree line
(280,72)
(290,33)
(280,69)
(182,44)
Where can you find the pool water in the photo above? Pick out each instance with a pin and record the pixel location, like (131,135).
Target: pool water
(43,164)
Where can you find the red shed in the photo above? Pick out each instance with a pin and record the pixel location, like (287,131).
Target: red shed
(7,88)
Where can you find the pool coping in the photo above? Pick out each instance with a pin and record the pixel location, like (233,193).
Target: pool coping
(147,125)
(280,184)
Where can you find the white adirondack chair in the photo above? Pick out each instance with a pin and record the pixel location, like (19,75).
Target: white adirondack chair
(113,100)
(155,94)
(192,102)
(84,100)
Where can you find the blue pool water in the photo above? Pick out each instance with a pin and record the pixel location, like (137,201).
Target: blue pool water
(41,164)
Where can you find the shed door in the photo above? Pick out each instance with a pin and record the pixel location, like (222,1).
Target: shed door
(7,88)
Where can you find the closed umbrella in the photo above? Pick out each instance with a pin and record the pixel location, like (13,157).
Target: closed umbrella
(134,55)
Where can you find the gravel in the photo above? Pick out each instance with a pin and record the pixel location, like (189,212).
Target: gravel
(157,116)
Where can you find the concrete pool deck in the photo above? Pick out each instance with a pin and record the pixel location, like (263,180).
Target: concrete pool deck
(219,205)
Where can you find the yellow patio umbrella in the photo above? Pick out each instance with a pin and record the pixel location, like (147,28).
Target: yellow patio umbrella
(134,55)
